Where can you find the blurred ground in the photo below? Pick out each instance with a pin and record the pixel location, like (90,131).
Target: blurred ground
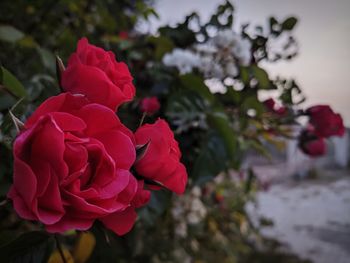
(311,216)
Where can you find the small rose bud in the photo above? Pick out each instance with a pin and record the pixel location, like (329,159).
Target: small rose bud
(149,105)
(271,106)
(123,35)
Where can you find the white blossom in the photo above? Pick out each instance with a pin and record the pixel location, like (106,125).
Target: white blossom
(184,60)
(233,44)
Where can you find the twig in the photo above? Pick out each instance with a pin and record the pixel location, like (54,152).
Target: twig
(60,250)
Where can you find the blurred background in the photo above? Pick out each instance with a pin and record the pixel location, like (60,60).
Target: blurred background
(312,218)
(323,63)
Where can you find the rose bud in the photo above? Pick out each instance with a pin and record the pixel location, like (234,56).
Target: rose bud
(325,121)
(271,106)
(95,73)
(149,105)
(72,166)
(123,35)
(161,162)
(311,144)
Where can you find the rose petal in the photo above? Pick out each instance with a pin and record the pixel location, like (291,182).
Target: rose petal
(120,222)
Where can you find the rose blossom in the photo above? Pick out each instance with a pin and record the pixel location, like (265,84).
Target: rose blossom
(270,104)
(95,73)
(71,167)
(311,144)
(161,162)
(149,105)
(325,121)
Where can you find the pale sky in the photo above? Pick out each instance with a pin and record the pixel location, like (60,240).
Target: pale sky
(322,68)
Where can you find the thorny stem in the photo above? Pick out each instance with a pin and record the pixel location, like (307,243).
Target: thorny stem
(60,250)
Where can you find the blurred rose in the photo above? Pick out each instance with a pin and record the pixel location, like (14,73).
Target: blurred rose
(149,105)
(123,35)
(95,73)
(271,105)
(325,121)
(71,167)
(311,144)
(161,162)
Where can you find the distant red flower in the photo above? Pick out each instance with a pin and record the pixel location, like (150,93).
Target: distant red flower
(271,105)
(123,35)
(311,144)
(150,105)
(325,121)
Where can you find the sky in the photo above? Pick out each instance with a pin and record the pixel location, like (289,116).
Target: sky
(322,68)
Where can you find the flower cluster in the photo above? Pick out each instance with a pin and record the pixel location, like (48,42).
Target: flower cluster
(216,58)
(323,123)
(188,210)
(73,157)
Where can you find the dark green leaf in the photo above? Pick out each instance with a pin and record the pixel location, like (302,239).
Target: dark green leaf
(211,160)
(289,23)
(220,122)
(11,83)
(162,45)
(30,247)
(48,59)
(196,83)
(252,102)
(261,76)
(10,34)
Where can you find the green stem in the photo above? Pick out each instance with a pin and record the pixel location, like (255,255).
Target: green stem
(60,250)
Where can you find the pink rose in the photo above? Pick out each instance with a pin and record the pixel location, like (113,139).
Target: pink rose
(95,73)
(161,162)
(325,121)
(71,167)
(149,105)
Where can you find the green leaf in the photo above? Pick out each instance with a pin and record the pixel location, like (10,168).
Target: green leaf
(10,34)
(289,23)
(48,59)
(220,122)
(33,246)
(211,160)
(196,83)
(186,110)
(12,84)
(162,44)
(252,102)
(244,74)
(261,76)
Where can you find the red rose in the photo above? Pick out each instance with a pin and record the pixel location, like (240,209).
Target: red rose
(95,73)
(149,105)
(123,35)
(311,144)
(71,167)
(161,162)
(271,105)
(325,121)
